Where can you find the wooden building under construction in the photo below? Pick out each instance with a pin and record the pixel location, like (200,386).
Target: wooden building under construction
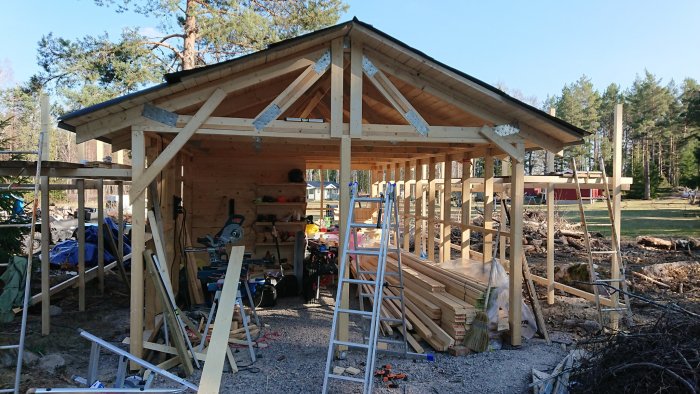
(347,97)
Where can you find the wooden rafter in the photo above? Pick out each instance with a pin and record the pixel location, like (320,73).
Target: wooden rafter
(394,96)
(295,90)
(502,143)
(174,147)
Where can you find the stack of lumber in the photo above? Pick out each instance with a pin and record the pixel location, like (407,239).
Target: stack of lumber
(440,304)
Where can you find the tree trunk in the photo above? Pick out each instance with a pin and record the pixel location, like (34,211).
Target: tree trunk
(189,53)
(647,174)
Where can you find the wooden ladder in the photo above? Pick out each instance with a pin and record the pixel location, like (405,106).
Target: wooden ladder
(617,279)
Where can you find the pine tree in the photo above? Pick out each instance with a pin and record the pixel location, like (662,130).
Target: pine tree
(651,112)
(194,33)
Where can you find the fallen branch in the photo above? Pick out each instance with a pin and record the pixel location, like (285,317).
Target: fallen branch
(650,279)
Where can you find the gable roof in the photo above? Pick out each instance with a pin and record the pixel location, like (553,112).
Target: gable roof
(326,185)
(481,95)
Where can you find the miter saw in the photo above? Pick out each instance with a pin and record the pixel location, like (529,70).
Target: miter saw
(215,245)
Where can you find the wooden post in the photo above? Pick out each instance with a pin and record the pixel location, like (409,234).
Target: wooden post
(516,249)
(138,233)
(550,225)
(488,207)
(356,88)
(337,88)
(345,169)
(322,211)
(100,237)
(446,211)
(81,244)
(406,205)
(617,207)
(45,265)
(430,241)
(120,218)
(45,113)
(466,206)
(418,210)
(550,242)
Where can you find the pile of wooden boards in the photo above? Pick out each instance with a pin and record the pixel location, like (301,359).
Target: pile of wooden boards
(440,304)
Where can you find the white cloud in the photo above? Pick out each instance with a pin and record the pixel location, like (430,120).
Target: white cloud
(151,32)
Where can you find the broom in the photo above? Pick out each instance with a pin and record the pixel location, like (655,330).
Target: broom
(477,338)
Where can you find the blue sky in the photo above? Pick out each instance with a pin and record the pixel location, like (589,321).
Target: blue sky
(534,46)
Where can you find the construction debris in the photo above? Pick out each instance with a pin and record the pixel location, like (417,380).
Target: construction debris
(658,357)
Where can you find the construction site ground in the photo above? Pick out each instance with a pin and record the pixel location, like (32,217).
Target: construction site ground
(297,338)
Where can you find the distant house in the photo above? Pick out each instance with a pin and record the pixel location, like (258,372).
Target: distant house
(330,190)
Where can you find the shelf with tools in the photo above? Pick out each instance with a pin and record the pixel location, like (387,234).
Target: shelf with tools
(280,207)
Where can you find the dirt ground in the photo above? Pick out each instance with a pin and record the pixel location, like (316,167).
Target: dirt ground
(297,339)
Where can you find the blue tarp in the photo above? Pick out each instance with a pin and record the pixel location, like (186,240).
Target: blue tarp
(65,253)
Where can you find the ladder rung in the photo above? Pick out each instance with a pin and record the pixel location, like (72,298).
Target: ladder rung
(364,225)
(603,251)
(361,252)
(369,199)
(387,340)
(351,344)
(599,224)
(367,272)
(610,280)
(391,297)
(343,377)
(353,311)
(358,281)
(8,347)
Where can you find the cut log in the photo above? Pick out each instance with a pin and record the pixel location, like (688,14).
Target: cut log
(655,242)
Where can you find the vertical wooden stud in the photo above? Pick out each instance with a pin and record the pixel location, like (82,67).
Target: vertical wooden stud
(418,211)
(617,206)
(446,211)
(138,233)
(430,242)
(100,237)
(120,218)
(466,206)
(81,244)
(322,210)
(488,207)
(45,265)
(550,242)
(516,249)
(345,169)
(406,205)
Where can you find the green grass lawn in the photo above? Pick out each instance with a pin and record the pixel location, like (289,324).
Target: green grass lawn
(665,217)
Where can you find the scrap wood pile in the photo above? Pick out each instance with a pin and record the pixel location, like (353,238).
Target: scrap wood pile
(660,357)
(440,304)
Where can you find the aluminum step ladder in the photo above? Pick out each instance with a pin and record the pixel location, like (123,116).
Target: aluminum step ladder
(372,286)
(616,281)
(30,256)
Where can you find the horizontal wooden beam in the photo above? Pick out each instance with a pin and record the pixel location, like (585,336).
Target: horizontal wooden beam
(140,184)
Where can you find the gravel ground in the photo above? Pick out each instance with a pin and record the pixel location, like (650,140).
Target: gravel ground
(297,339)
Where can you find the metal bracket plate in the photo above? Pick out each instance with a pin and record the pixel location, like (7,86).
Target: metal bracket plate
(323,63)
(266,117)
(368,67)
(416,121)
(159,115)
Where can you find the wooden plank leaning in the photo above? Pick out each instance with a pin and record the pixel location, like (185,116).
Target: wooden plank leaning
(169,311)
(218,345)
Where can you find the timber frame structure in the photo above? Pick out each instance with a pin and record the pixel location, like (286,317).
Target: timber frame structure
(348,97)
